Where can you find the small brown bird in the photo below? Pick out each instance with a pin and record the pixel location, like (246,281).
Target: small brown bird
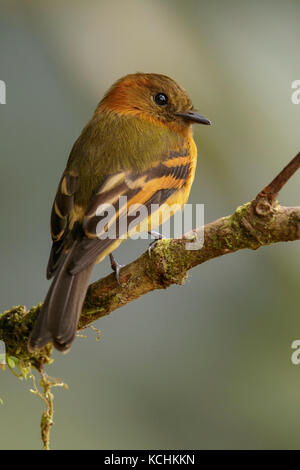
(138,145)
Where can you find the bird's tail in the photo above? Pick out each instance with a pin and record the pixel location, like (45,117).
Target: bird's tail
(59,315)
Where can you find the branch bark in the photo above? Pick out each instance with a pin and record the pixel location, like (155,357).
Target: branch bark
(257,223)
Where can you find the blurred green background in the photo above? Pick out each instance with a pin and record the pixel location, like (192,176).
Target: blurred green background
(202,366)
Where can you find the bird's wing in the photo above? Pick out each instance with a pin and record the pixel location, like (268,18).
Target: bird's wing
(59,223)
(114,205)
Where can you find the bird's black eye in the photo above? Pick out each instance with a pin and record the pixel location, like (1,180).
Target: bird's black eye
(161,99)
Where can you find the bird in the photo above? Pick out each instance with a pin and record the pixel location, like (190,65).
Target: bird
(137,145)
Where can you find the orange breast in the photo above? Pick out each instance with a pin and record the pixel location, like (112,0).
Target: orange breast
(181,196)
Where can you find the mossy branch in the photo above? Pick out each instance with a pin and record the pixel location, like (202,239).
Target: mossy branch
(255,224)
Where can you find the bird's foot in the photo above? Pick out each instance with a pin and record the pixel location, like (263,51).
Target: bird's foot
(116,267)
(158,236)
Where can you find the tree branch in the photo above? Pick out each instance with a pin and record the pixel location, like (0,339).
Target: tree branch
(257,223)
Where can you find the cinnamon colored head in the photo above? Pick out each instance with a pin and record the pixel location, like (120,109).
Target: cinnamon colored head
(152,96)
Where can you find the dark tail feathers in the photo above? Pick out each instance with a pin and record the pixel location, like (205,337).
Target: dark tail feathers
(58,318)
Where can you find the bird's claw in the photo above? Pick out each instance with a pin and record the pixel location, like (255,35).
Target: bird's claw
(116,267)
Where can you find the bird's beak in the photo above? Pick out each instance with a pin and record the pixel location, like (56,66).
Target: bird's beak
(194,117)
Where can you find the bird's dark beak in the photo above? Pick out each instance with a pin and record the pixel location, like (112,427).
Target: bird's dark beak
(194,117)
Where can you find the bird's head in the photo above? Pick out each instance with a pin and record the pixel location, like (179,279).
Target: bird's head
(154,97)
